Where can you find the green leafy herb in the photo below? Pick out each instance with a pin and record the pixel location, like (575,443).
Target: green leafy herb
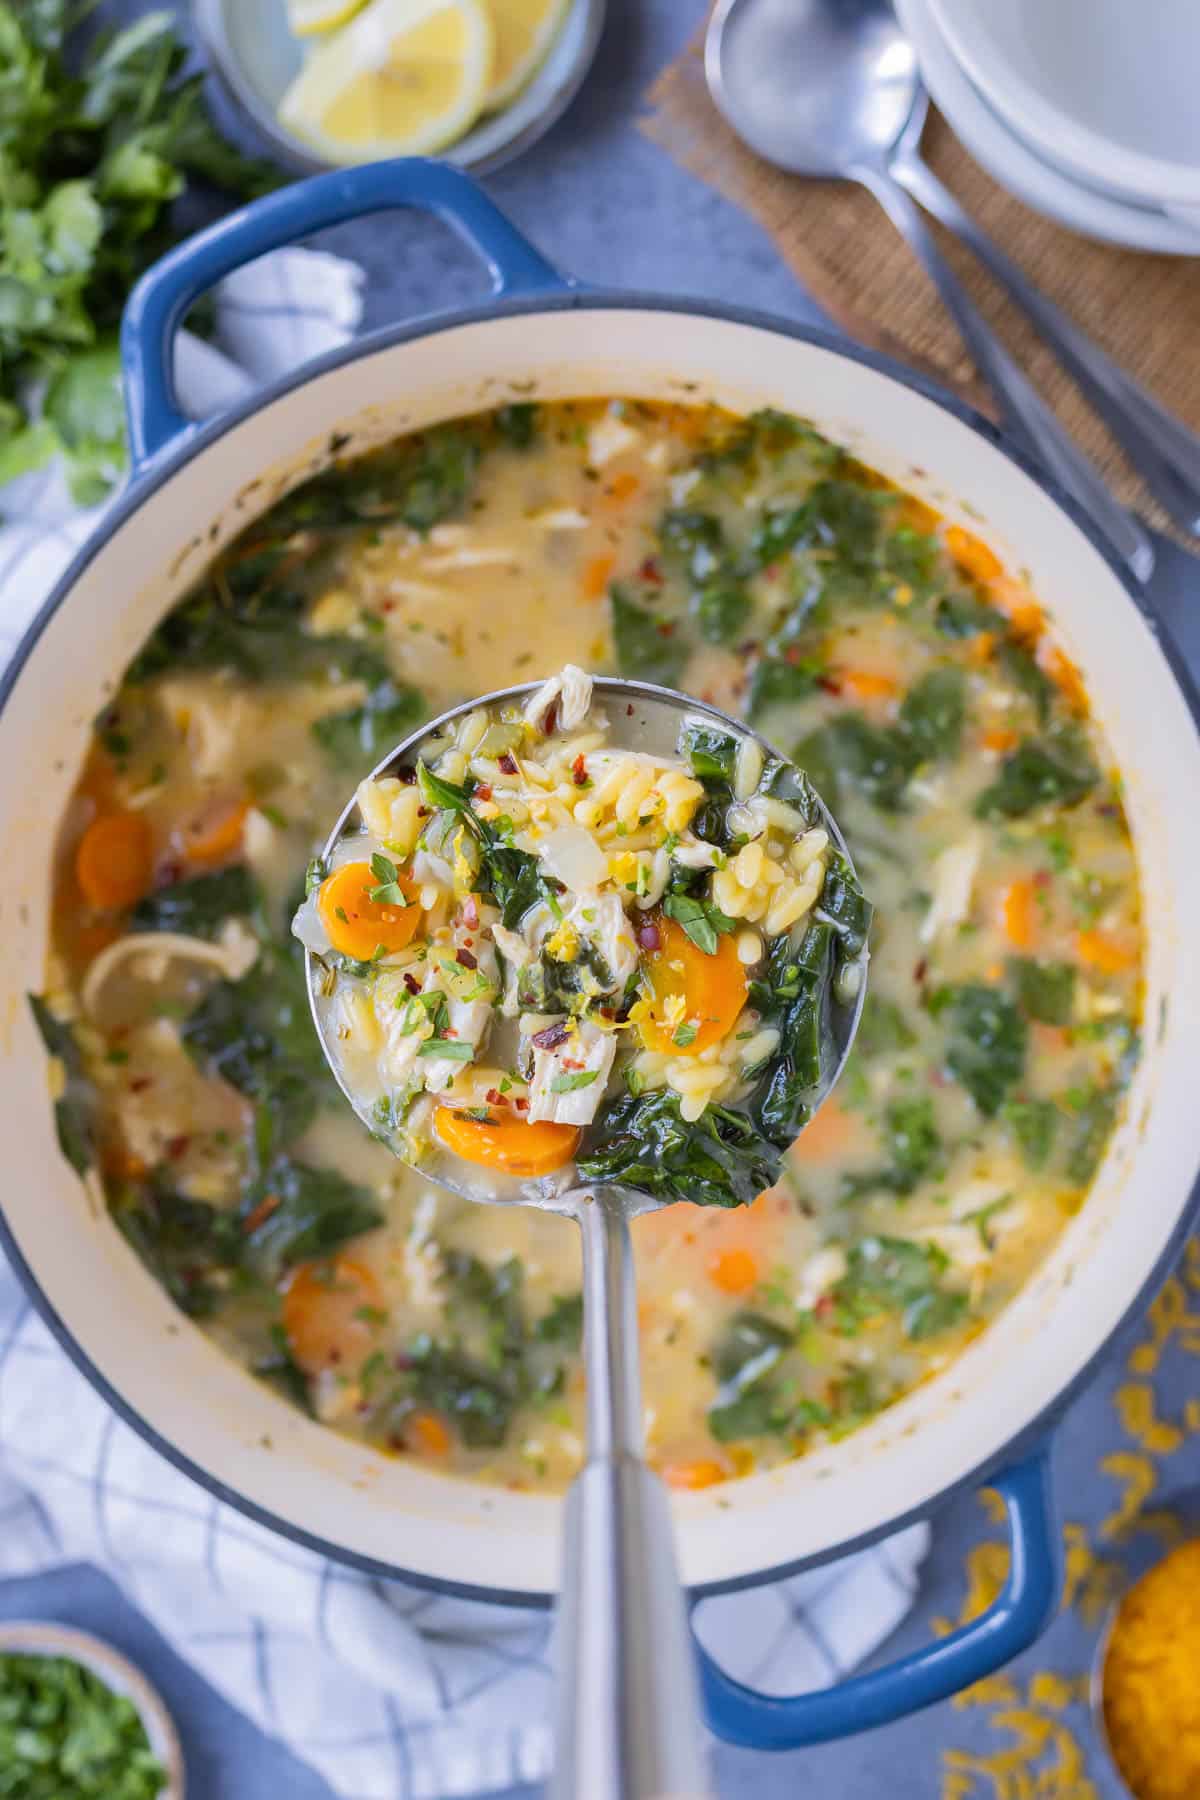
(387,875)
(76,1103)
(932,713)
(647,644)
(200,905)
(1022,670)
(1045,990)
(711,752)
(1054,771)
(358,738)
(94,151)
(986,1041)
(703,920)
(64,1735)
(567,1084)
(295,1212)
(1034,1125)
(891,1274)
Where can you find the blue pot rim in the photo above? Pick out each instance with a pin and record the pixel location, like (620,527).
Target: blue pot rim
(159,472)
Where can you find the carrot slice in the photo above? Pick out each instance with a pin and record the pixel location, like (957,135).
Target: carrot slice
(114,862)
(217,834)
(972,554)
(712,989)
(596,574)
(624,486)
(323,1313)
(358,925)
(1105,951)
(734,1271)
(514,1145)
(692,1475)
(426,1432)
(999,739)
(867,684)
(1065,676)
(1018,913)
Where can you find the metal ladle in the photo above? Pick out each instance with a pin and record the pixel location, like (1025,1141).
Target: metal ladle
(830,89)
(628,1722)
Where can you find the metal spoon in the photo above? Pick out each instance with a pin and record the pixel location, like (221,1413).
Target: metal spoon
(628,1705)
(828,88)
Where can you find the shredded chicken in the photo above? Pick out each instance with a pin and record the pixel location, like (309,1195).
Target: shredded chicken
(586,1052)
(572,688)
(232,955)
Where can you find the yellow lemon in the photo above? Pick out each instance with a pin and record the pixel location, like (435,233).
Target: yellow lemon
(525,30)
(405,76)
(309,18)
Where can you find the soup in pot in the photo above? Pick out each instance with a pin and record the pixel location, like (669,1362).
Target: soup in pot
(760,567)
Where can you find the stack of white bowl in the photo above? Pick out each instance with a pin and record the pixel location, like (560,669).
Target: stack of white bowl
(1088,110)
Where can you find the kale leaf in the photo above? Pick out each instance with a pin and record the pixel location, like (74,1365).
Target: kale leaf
(891,1274)
(359,737)
(76,1102)
(1053,771)
(647,644)
(187,1245)
(717,1160)
(986,1041)
(777,681)
(932,714)
(748,1402)
(199,905)
(295,1213)
(1034,1125)
(1045,990)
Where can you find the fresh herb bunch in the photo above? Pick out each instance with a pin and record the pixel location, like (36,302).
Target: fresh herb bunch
(64,1735)
(91,158)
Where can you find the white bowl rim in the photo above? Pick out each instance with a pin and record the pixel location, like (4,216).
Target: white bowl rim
(1060,135)
(160,469)
(1050,190)
(47,1637)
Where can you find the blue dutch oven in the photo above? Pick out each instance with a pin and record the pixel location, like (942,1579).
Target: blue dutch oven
(986,1417)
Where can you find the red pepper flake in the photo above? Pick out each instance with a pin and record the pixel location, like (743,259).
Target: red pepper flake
(423,812)
(648,937)
(823,1306)
(260,1214)
(412,984)
(579,771)
(495,1098)
(629,712)
(938,1078)
(772,571)
(1043,879)
(465,960)
(140,1083)
(568,1063)
(168,872)
(665,628)
(508,763)
(921,970)
(177,1145)
(408,777)
(651,570)
(828,685)
(521,1104)
(551,1036)
(550,721)
(483,791)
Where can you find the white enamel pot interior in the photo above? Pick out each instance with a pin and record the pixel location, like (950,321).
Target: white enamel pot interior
(241,1439)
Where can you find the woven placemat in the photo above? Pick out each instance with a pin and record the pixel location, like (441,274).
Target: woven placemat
(1144,309)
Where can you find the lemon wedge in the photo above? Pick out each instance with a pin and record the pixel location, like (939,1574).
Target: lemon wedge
(403,77)
(525,30)
(309,18)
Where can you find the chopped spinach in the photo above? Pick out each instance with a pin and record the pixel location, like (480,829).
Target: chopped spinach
(1052,771)
(478,1402)
(780,682)
(891,1274)
(711,752)
(294,1212)
(642,1140)
(199,905)
(517,423)
(986,1041)
(1022,669)
(647,643)
(932,713)
(187,1245)
(1034,1125)
(357,738)
(1094,1114)
(748,1402)
(849,752)
(76,1102)
(913,1139)
(1045,990)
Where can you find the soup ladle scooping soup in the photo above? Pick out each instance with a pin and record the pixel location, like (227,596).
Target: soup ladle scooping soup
(591,946)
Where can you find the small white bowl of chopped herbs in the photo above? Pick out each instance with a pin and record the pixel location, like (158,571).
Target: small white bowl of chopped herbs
(79,1722)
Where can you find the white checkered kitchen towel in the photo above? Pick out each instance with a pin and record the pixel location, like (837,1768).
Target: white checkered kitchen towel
(390,1692)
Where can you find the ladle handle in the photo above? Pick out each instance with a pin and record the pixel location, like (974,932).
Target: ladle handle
(628,1724)
(1028,419)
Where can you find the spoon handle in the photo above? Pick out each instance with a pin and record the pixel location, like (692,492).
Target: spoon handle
(1028,419)
(628,1725)
(1162,448)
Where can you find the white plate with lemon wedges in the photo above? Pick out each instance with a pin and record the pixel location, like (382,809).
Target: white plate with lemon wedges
(329,82)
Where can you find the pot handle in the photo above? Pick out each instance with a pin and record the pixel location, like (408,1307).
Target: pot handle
(1013,1621)
(158,304)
